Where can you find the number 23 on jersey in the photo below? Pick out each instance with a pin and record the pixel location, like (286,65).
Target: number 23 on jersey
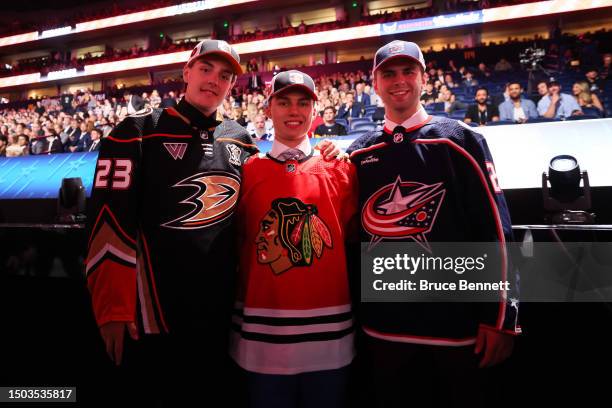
(116,173)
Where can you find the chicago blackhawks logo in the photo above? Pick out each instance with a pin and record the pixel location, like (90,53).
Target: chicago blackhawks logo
(214,200)
(403,209)
(291,234)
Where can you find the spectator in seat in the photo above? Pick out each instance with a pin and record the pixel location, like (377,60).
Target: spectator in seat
(483,71)
(482,112)
(259,131)
(54,143)
(351,109)
(516,108)
(36,131)
(596,84)
(449,98)
(84,139)
(448,80)
(542,88)
(556,104)
(585,98)
(96,136)
(20,148)
(470,80)
(360,96)
(38,144)
(329,128)
(430,95)
(73,133)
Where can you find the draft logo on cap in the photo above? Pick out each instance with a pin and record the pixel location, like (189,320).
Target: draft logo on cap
(395,48)
(296,78)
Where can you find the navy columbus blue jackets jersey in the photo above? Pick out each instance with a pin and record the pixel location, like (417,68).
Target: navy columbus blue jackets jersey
(453,165)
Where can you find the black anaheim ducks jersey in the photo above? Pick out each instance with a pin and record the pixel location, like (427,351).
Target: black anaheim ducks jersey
(438,180)
(161,245)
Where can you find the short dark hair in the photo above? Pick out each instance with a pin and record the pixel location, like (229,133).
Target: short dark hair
(4,139)
(515,82)
(330,107)
(483,88)
(97,130)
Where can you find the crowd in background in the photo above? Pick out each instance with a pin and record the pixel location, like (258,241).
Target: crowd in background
(57,61)
(478,93)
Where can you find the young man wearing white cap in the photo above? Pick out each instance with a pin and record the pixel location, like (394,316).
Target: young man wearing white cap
(161,255)
(293,326)
(427,179)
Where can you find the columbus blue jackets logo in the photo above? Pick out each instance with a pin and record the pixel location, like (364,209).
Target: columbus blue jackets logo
(214,200)
(402,210)
(291,234)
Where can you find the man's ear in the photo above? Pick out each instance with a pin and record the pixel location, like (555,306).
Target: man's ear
(186,70)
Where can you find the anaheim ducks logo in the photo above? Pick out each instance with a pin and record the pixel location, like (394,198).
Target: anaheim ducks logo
(291,234)
(403,209)
(214,200)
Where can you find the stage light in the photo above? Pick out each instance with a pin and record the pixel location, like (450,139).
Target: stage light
(565,201)
(161,35)
(355,4)
(225,24)
(564,178)
(71,201)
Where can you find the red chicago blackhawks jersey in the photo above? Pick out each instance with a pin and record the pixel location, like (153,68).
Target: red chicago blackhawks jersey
(293,312)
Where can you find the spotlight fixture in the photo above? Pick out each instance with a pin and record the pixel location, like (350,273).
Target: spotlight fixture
(565,202)
(71,201)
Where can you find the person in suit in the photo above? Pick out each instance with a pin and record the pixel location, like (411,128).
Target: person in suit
(84,139)
(255,83)
(350,109)
(96,139)
(362,97)
(38,144)
(54,143)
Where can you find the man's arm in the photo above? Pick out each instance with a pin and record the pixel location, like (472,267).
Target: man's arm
(112,230)
(491,223)
(502,112)
(573,106)
(550,110)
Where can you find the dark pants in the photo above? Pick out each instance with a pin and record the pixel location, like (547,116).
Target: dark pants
(318,389)
(413,375)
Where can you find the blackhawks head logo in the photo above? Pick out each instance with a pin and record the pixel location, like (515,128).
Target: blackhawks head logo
(291,234)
